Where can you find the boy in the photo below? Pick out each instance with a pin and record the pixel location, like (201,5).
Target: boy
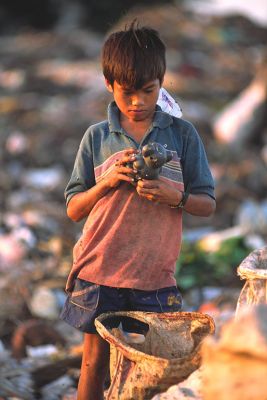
(125,259)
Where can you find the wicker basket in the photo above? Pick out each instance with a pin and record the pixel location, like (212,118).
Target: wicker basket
(168,355)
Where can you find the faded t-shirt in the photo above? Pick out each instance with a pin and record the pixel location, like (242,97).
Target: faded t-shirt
(128,241)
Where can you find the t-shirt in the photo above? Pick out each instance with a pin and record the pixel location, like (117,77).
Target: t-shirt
(129,241)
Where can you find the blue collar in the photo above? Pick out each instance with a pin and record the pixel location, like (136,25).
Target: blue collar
(161,119)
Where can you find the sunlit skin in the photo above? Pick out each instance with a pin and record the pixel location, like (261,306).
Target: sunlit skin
(137,106)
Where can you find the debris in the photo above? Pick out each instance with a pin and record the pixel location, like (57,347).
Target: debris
(17,143)
(15,380)
(189,389)
(242,119)
(168,104)
(12,251)
(56,389)
(250,218)
(254,269)
(52,369)
(44,179)
(235,365)
(35,333)
(47,302)
(233,362)
(52,89)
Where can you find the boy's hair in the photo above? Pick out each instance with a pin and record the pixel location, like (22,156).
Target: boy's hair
(134,56)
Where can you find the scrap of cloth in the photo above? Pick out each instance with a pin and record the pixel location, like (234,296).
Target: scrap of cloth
(168,104)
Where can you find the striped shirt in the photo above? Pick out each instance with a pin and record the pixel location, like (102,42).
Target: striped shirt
(128,241)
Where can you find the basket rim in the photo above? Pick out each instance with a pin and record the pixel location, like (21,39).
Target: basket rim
(129,351)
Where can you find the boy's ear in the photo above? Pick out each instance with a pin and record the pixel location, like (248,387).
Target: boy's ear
(109,86)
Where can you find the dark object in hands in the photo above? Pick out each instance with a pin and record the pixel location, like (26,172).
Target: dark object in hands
(149,161)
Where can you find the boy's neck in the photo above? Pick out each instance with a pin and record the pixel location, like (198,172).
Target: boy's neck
(136,129)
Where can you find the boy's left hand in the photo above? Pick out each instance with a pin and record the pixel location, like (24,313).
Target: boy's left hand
(158,191)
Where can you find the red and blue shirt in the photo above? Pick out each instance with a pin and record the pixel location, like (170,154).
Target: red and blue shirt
(128,241)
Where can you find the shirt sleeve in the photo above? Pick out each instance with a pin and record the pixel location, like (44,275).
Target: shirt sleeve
(82,177)
(196,172)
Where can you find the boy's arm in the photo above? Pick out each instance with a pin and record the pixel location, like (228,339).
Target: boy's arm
(201,205)
(160,191)
(81,203)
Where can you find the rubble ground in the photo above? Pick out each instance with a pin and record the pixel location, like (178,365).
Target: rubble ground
(51,90)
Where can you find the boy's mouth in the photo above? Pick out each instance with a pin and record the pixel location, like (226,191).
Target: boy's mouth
(137,111)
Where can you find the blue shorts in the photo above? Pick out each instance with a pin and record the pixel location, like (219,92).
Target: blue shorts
(88,300)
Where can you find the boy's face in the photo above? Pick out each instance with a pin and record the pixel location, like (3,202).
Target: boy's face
(136,104)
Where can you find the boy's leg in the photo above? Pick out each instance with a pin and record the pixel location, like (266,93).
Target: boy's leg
(95,363)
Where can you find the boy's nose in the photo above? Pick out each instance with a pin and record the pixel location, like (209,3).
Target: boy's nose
(137,100)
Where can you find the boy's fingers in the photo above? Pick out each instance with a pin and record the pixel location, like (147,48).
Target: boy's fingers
(123,170)
(128,153)
(125,160)
(130,150)
(126,178)
(148,184)
(146,192)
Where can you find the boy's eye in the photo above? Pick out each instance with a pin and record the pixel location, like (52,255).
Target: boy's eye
(130,92)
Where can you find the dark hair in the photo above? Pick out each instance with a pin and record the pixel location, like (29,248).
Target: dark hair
(134,56)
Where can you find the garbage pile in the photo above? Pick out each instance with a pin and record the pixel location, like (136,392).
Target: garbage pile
(234,359)
(51,90)
(233,365)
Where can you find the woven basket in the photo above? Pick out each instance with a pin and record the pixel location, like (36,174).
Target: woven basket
(168,355)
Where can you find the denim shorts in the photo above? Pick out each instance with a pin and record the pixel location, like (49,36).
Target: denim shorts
(88,300)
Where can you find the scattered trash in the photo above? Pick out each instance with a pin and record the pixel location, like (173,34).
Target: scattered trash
(44,179)
(168,104)
(46,302)
(45,110)
(250,218)
(55,390)
(241,119)
(17,143)
(189,389)
(235,365)
(41,351)
(35,338)
(15,380)
(254,269)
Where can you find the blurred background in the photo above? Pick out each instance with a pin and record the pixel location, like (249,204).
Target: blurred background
(52,89)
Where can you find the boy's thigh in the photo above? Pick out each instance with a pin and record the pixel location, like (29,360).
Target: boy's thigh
(87,301)
(168,299)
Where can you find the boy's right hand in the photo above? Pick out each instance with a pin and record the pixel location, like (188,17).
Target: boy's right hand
(81,204)
(120,171)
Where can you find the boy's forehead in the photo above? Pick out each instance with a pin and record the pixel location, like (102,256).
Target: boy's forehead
(124,86)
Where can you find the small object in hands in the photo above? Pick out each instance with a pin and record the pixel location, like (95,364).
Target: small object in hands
(149,161)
